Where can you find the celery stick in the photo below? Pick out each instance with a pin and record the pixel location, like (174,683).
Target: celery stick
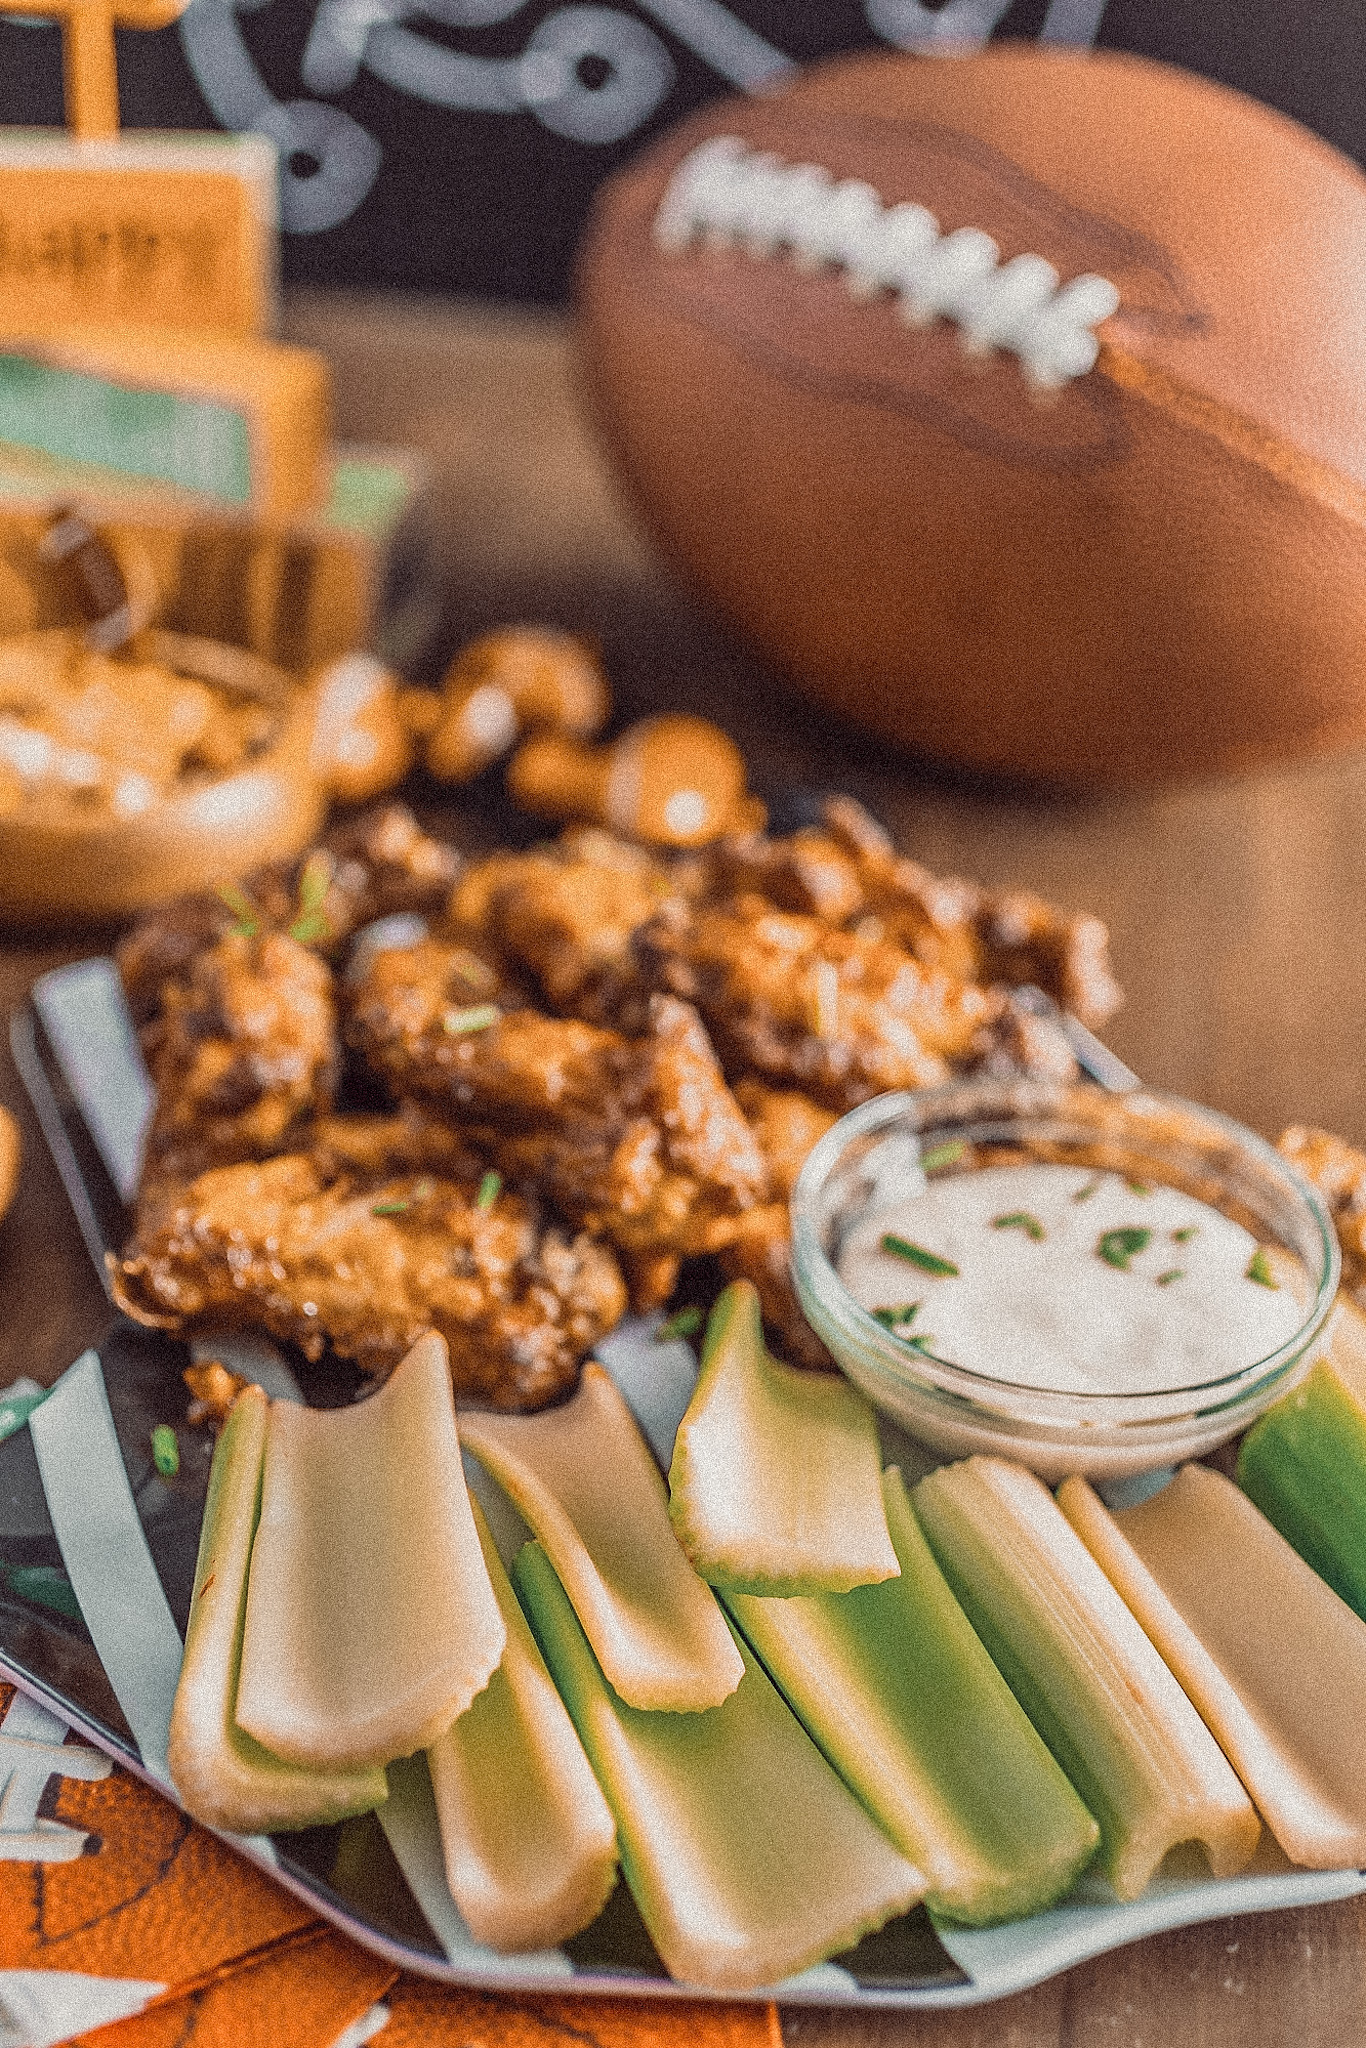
(1085,1673)
(895,1687)
(224,1778)
(775,1485)
(583,1479)
(370,1619)
(747,1857)
(1304,1462)
(1272,1659)
(529,1841)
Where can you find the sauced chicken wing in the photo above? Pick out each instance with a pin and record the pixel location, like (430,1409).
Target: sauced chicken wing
(836,1014)
(243,1054)
(1338,1171)
(367,1265)
(846,872)
(786,1125)
(640,1140)
(566,913)
(374,865)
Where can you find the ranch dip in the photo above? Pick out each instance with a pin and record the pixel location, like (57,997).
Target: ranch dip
(1058,1278)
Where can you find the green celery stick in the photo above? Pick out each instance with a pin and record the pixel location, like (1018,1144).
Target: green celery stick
(1304,1462)
(224,1778)
(747,1857)
(898,1691)
(1272,1660)
(529,1843)
(1091,1682)
(370,1623)
(585,1481)
(775,1485)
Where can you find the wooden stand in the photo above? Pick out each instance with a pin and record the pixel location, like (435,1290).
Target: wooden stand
(90,67)
(165,230)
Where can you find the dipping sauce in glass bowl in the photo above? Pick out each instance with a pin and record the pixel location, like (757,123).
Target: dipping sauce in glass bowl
(1086,1282)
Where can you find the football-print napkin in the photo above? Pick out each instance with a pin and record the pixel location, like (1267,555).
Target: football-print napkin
(123,1925)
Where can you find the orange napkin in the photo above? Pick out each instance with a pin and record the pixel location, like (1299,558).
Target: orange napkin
(155,1899)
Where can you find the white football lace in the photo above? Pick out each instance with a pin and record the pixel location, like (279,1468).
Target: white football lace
(727,194)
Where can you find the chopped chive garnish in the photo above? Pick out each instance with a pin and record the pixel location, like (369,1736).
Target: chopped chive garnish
(477,1019)
(314,883)
(44,1586)
(424,1190)
(490,1187)
(1020,1219)
(398,1207)
(947,1154)
(472,971)
(1092,1187)
(243,909)
(1117,1247)
(1185,1235)
(893,1318)
(1258,1270)
(166,1450)
(916,1255)
(1173,1273)
(1139,1187)
(685,1322)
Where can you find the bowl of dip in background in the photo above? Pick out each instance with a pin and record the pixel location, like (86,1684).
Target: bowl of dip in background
(1082,1281)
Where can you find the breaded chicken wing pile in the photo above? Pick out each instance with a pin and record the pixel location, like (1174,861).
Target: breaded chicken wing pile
(502,1098)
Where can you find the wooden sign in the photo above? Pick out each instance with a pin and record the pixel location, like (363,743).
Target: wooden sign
(165,230)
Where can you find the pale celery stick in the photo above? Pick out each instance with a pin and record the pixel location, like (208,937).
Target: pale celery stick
(529,1841)
(1304,1461)
(898,1691)
(1085,1673)
(1274,1661)
(775,1485)
(747,1857)
(224,1778)
(370,1620)
(583,1479)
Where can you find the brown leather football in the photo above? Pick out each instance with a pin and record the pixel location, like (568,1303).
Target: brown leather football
(944,485)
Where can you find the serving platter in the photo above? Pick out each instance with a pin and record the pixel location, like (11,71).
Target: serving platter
(99,1644)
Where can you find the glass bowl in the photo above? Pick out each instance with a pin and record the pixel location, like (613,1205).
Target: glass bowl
(873,1155)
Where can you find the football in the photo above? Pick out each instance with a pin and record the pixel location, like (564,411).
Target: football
(1013,404)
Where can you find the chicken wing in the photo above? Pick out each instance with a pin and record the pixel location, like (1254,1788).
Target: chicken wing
(639,1140)
(786,1125)
(838,1015)
(567,913)
(372,866)
(847,872)
(366,1265)
(243,1055)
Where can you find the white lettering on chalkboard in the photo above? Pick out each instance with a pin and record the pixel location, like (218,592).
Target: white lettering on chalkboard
(593,74)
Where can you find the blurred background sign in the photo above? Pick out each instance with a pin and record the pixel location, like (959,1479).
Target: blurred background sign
(454,145)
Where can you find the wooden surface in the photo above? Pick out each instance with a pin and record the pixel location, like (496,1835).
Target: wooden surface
(1236,912)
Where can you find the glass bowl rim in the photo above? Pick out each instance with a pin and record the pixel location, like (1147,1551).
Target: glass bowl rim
(957,1384)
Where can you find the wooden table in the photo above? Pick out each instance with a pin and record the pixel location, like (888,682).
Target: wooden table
(1237,913)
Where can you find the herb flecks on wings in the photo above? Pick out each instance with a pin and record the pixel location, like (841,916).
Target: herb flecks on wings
(365,1262)
(639,1139)
(598,1061)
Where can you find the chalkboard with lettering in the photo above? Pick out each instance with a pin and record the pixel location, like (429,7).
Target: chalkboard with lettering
(454,145)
